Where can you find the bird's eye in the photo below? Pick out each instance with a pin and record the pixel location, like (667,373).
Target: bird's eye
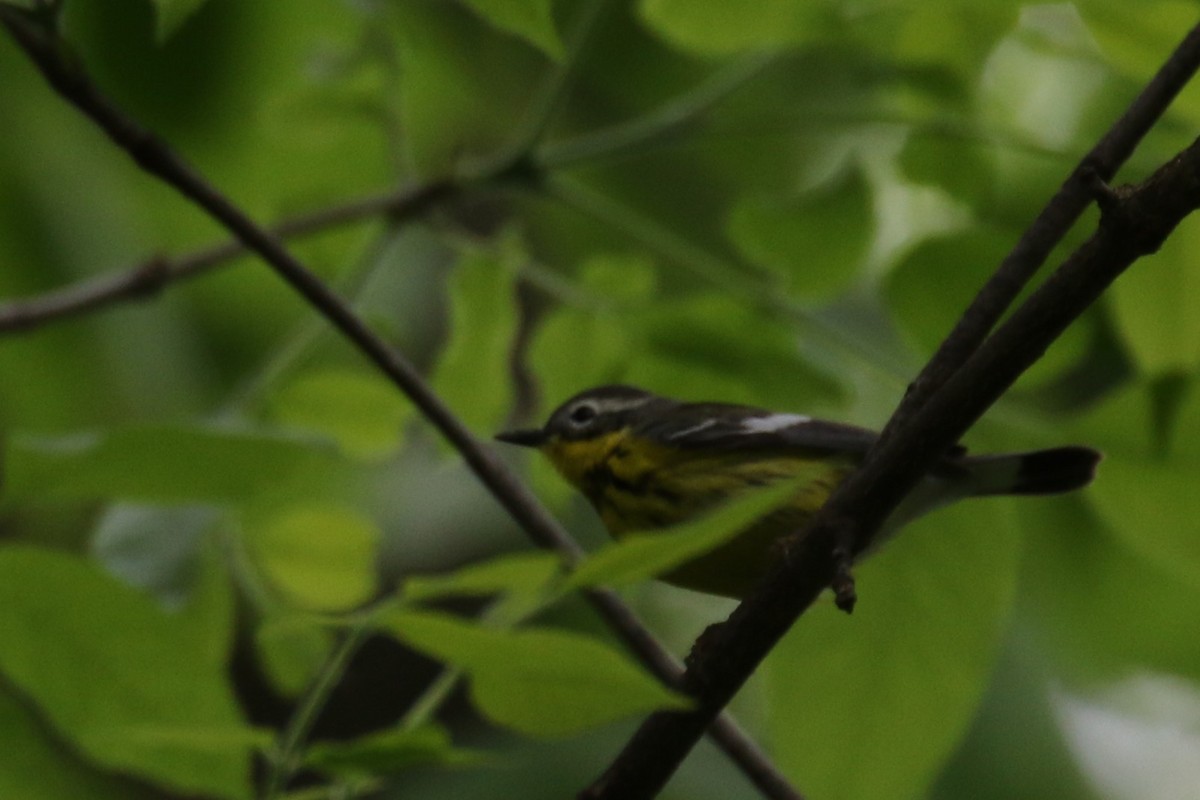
(582,414)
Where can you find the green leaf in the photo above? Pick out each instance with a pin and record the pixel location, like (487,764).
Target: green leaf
(361,411)
(388,753)
(928,291)
(931,287)
(1147,494)
(521,573)
(606,329)
(818,240)
(1045,87)
(962,167)
(952,36)
(1153,308)
(639,556)
(1134,38)
(532,20)
(37,767)
(900,680)
(1099,608)
(170,464)
(292,648)
(320,557)
(606,324)
(135,688)
(711,347)
(728,26)
(439,45)
(473,371)
(538,682)
(171,14)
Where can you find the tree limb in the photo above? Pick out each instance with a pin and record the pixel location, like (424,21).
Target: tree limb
(1049,227)
(154,274)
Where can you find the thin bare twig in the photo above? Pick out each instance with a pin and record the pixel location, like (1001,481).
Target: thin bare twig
(1135,222)
(156,157)
(154,274)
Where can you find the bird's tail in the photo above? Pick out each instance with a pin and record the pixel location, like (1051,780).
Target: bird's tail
(1059,469)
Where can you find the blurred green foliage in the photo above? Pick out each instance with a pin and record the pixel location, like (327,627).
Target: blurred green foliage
(784,203)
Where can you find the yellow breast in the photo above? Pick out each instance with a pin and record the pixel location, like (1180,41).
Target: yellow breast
(640,485)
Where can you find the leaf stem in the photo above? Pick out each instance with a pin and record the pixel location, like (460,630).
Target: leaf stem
(663,122)
(287,756)
(550,96)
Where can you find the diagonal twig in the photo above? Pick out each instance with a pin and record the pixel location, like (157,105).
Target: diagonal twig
(1049,228)
(153,274)
(46,51)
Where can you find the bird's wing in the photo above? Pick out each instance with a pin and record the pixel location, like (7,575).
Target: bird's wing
(719,427)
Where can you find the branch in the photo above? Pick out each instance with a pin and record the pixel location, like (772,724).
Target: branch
(151,276)
(154,156)
(1135,221)
(1049,228)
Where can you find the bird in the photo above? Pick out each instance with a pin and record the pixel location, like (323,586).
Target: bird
(648,463)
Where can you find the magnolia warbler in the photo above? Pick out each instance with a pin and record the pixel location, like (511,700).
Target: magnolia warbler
(648,462)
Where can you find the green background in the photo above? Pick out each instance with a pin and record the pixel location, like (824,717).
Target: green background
(783,202)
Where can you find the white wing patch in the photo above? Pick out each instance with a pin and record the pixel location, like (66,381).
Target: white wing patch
(773,422)
(708,423)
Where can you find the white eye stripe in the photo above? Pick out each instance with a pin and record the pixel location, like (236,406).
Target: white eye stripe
(610,404)
(708,423)
(772,422)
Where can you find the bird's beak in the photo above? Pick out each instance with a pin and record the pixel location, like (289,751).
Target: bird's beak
(534,437)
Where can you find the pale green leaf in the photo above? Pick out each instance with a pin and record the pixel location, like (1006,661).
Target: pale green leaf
(538,682)
(901,678)
(953,36)
(361,411)
(524,573)
(607,326)
(170,464)
(171,14)
(135,688)
(291,650)
(532,20)
(473,371)
(727,26)
(639,556)
(388,752)
(320,557)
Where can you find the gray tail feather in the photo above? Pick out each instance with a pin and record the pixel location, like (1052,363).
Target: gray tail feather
(1059,469)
